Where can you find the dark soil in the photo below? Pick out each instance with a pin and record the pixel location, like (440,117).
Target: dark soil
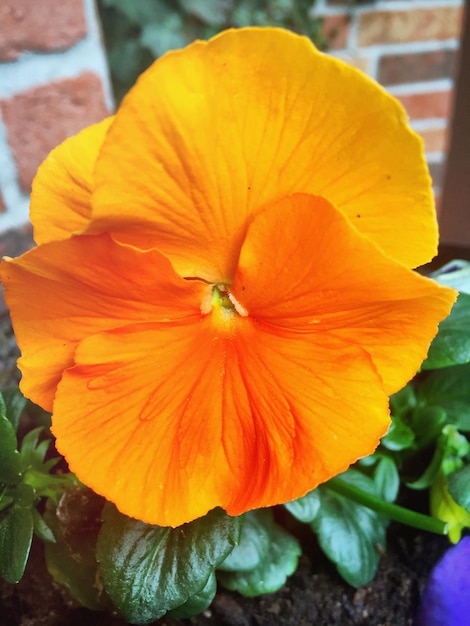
(314,595)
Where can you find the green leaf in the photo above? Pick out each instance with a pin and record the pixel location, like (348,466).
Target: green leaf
(449,389)
(149,570)
(455,274)
(399,436)
(459,487)
(15,403)
(387,479)
(255,540)
(41,529)
(71,558)
(10,462)
(198,602)
(403,401)
(451,346)
(305,509)
(351,535)
(16,533)
(427,423)
(279,561)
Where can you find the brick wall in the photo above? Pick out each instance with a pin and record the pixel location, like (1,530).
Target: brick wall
(53,82)
(411,47)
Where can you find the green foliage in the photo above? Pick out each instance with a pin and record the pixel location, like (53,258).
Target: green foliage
(150,570)
(271,556)
(138,31)
(25,479)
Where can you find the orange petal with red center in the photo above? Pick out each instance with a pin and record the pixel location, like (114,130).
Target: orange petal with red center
(61,292)
(212,133)
(61,193)
(314,273)
(170,421)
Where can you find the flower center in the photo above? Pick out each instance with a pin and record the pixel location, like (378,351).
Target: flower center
(223,303)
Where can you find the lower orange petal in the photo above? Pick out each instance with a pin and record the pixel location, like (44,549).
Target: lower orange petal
(171,421)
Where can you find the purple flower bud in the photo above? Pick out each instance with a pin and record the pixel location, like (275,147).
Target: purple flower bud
(446,597)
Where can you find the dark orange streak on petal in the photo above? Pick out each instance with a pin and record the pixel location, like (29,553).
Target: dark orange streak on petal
(63,291)
(169,421)
(311,271)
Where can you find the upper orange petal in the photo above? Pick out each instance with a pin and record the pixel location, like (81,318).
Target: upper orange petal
(212,133)
(312,271)
(61,193)
(170,421)
(61,292)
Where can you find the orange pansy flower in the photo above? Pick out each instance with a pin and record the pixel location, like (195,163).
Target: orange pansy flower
(222,297)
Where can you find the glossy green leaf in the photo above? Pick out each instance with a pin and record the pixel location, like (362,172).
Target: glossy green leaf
(16,533)
(149,570)
(305,509)
(10,463)
(459,487)
(15,403)
(449,389)
(71,557)
(198,602)
(387,479)
(255,540)
(278,562)
(351,535)
(451,346)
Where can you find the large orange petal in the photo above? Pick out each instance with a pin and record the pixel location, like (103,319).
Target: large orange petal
(61,292)
(170,421)
(313,272)
(61,193)
(212,133)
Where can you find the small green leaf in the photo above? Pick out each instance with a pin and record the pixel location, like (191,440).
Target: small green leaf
(459,487)
(15,403)
(10,462)
(198,602)
(305,509)
(16,533)
(214,12)
(399,436)
(451,346)
(255,540)
(350,534)
(278,562)
(403,401)
(387,479)
(149,570)
(448,389)
(41,529)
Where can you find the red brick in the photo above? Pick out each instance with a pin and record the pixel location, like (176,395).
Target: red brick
(379,27)
(39,119)
(435,139)
(335,30)
(42,25)
(421,106)
(410,68)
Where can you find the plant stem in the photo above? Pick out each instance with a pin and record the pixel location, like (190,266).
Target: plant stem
(393,511)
